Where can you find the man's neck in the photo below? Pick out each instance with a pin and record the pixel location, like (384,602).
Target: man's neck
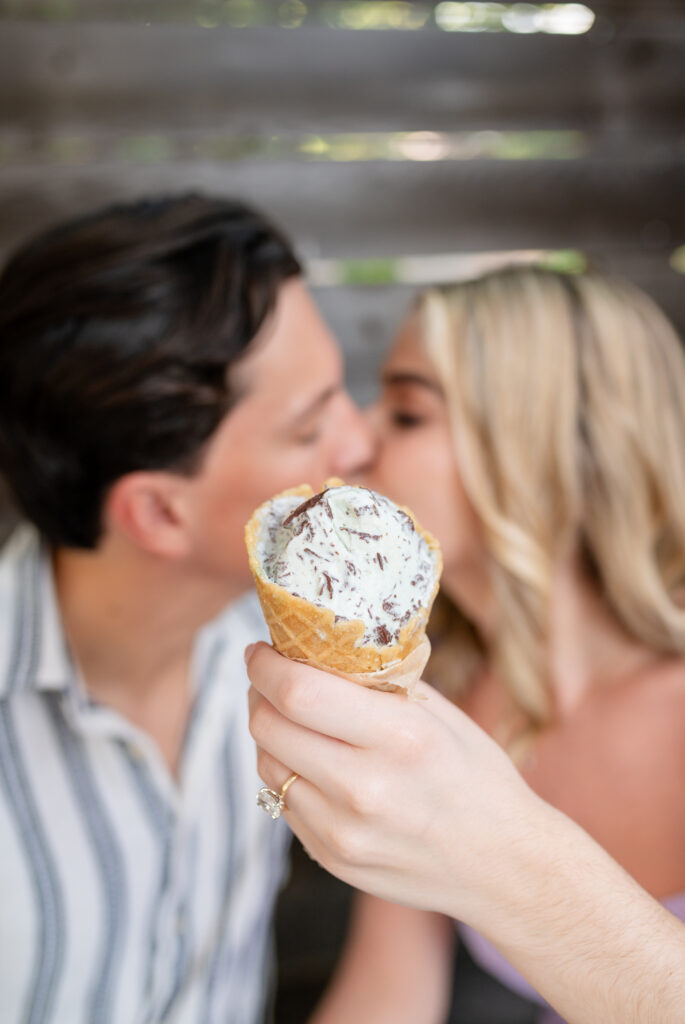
(131,619)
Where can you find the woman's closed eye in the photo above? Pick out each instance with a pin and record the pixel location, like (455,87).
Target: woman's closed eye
(406,420)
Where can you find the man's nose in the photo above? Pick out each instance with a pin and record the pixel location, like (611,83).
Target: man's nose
(357,445)
(373,415)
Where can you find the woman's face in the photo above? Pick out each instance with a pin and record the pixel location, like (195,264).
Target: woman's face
(417,466)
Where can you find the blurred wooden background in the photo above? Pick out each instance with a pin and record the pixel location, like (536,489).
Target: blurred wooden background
(369,142)
(398,143)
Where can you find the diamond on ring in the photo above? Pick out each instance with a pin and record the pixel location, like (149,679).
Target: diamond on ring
(270,802)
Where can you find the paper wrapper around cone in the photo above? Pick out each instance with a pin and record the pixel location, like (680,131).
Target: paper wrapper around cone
(305,632)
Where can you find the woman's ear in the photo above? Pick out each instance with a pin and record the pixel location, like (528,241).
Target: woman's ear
(148,509)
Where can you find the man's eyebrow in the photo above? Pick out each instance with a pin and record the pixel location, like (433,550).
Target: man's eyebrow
(398,377)
(316,404)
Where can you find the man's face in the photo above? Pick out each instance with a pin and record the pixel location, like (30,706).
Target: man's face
(294,424)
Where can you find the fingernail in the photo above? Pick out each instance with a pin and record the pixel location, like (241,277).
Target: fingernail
(248,652)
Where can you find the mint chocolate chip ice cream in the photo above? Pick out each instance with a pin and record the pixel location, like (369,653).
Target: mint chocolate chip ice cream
(353,551)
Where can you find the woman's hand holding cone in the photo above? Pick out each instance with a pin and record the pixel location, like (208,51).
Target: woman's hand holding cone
(400,798)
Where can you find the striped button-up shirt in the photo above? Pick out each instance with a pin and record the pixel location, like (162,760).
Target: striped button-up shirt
(126,897)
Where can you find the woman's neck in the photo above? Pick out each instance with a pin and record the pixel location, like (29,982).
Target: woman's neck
(588,647)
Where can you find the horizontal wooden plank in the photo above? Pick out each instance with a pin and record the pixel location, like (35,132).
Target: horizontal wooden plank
(386,208)
(260,12)
(130,78)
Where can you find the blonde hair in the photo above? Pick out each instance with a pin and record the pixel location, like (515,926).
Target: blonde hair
(567,401)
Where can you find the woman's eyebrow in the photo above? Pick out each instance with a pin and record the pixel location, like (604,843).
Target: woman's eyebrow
(397,377)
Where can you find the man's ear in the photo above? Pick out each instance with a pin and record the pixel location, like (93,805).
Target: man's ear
(148,508)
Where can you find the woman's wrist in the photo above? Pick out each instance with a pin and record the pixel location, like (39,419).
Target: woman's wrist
(506,876)
(543,870)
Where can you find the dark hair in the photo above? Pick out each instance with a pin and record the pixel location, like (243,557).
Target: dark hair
(116,334)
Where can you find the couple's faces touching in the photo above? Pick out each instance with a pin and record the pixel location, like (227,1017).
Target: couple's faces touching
(293,422)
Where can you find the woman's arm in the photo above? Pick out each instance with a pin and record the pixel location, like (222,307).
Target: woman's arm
(412,802)
(396,968)
(583,932)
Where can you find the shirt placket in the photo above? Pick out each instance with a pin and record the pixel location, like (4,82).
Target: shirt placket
(171,947)
(172,819)
(175,945)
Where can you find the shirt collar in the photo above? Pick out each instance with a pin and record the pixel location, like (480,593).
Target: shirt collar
(35,655)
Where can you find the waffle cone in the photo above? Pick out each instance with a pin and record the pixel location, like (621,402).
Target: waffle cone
(305,632)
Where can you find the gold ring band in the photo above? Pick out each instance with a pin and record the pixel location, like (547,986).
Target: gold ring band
(271,801)
(285,787)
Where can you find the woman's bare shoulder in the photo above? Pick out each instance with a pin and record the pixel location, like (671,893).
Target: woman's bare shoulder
(617,767)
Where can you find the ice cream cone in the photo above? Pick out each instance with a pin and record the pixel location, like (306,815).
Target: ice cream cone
(306,632)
